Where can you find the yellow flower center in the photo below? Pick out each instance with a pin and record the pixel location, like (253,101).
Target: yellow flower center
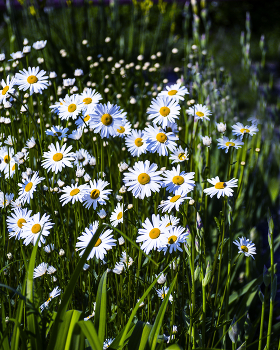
(36,228)
(32,79)
(154,233)
(228,144)
(7,159)
(178,180)
(98,242)
(244,130)
(57,133)
(144,179)
(164,111)
(121,130)
(119,216)
(161,137)
(87,100)
(57,157)
(86,118)
(138,142)
(106,119)
(74,192)
(175,198)
(172,92)
(14,167)
(28,186)
(94,194)
(168,224)
(220,185)
(199,114)
(21,222)
(172,239)
(182,156)
(72,107)
(244,248)
(163,295)
(4,91)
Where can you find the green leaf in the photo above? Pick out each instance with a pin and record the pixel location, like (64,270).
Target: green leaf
(139,336)
(89,331)
(100,310)
(273,188)
(64,335)
(174,347)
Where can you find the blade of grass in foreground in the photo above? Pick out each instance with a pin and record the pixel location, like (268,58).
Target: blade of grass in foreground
(89,331)
(139,336)
(101,303)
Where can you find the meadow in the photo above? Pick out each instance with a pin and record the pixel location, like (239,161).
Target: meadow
(139,180)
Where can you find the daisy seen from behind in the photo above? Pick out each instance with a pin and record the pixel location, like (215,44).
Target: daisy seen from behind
(159,141)
(7,87)
(57,158)
(162,110)
(175,180)
(173,201)
(28,187)
(15,222)
(240,130)
(220,188)
(199,112)
(179,155)
(245,247)
(73,193)
(226,143)
(32,79)
(175,92)
(136,143)
(117,215)
(95,193)
(54,293)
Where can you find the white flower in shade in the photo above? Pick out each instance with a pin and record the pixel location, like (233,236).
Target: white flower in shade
(31,79)
(16,204)
(220,188)
(206,140)
(121,240)
(143,179)
(221,127)
(102,214)
(6,157)
(78,72)
(179,155)
(31,143)
(93,312)
(57,158)
(171,127)
(71,107)
(199,112)
(28,187)
(106,119)
(76,134)
(90,98)
(152,234)
(175,92)
(16,221)
(174,202)
(118,269)
(163,292)
(68,82)
(2,57)
(176,237)
(55,293)
(135,143)
(107,343)
(254,121)
(57,131)
(34,227)
(226,143)
(240,130)
(82,157)
(5,199)
(162,110)
(51,270)
(17,55)
(245,246)
(174,180)
(80,172)
(126,260)
(40,270)
(7,88)
(52,75)
(162,279)
(104,243)
(159,141)
(95,193)
(73,193)
(117,215)
(49,248)
(124,130)
(39,45)
(86,267)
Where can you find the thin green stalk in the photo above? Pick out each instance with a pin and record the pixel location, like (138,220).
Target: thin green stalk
(262,320)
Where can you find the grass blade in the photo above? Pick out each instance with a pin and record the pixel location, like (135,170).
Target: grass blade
(139,336)
(100,314)
(89,331)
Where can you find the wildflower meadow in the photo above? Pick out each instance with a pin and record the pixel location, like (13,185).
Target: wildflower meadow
(139,180)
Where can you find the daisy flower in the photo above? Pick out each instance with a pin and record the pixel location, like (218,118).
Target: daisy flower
(58,131)
(28,187)
(163,292)
(254,121)
(174,180)
(31,143)
(199,112)
(136,143)
(7,87)
(73,193)
(92,314)
(83,120)
(10,169)
(90,98)
(57,158)
(117,215)
(226,143)
(124,130)
(95,193)
(34,227)
(32,79)
(173,202)
(106,119)
(71,107)
(39,45)
(16,55)
(6,156)
(245,246)
(220,188)
(239,130)
(159,141)
(40,270)
(16,221)
(171,127)
(176,236)
(221,127)
(55,293)
(179,155)
(162,110)
(5,199)
(143,179)
(153,233)
(76,134)
(126,260)
(172,220)
(118,269)
(104,243)
(175,92)
(107,343)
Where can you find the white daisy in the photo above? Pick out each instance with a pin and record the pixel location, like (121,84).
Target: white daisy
(31,143)
(220,188)
(179,155)
(135,143)
(55,293)
(28,187)
(226,143)
(173,202)
(171,127)
(175,92)
(34,227)
(245,246)
(16,221)
(126,260)
(104,243)
(73,193)
(163,292)
(5,199)
(143,179)
(124,130)
(221,127)
(32,79)
(107,343)
(159,141)
(76,134)
(39,45)
(6,156)
(163,109)
(57,158)
(83,120)
(199,112)
(153,233)
(71,107)
(57,131)
(95,193)
(174,180)
(117,215)
(7,88)
(176,236)
(11,168)
(16,55)
(82,157)
(40,270)
(90,98)
(118,269)
(92,314)
(239,130)
(172,220)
